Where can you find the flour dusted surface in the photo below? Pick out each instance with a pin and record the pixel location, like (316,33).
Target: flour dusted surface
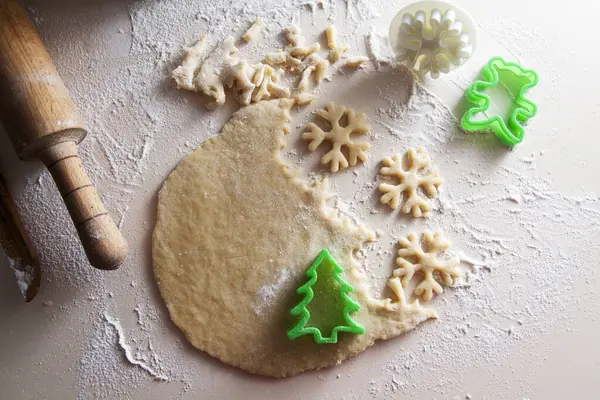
(533,284)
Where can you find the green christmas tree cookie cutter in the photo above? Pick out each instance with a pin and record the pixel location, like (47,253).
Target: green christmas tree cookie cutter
(329,315)
(511,130)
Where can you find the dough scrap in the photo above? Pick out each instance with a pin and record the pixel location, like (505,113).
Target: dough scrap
(277,58)
(355,61)
(265,80)
(254,31)
(418,175)
(210,78)
(331,35)
(322,66)
(302,99)
(305,78)
(303,52)
(184,74)
(235,233)
(293,35)
(316,65)
(427,262)
(224,68)
(339,136)
(238,77)
(336,51)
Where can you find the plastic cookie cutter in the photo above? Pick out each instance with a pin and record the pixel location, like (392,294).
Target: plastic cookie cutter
(325,308)
(433,36)
(516,81)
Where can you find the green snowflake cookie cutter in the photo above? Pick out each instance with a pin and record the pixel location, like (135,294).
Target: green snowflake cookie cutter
(510,132)
(301,309)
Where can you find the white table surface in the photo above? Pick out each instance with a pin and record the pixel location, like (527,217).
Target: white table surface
(114,60)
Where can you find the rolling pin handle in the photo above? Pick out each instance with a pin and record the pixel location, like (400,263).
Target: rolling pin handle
(104,244)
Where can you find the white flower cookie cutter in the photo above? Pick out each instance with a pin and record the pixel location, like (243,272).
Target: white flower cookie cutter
(433,37)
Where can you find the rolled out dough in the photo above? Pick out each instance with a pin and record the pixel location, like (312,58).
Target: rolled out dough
(235,234)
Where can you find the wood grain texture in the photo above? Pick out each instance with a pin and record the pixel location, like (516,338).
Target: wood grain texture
(16,244)
(103,243)
(36,107)
(43,122)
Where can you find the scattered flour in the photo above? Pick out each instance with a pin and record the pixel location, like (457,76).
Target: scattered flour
(267,293)
(24,274)
(144,363)
(101,372)
(526,249)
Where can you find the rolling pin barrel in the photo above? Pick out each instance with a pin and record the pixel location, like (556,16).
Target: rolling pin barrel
(43,123)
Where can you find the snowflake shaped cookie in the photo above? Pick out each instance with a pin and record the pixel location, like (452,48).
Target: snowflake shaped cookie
(418,175)
(424,257)
(339,136)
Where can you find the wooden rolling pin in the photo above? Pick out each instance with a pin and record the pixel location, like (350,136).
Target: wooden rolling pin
(15,243)
(43,123)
